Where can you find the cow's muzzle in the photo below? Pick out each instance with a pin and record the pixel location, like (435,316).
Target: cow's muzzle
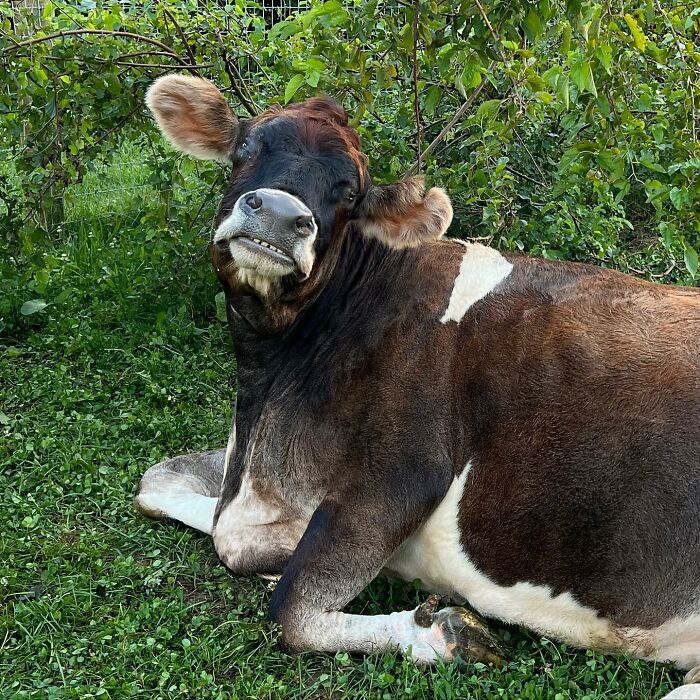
(269,231)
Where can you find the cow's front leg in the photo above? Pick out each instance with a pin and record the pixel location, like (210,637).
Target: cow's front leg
(184,488)
(348,541)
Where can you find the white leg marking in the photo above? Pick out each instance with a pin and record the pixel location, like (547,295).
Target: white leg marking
(435,556)
(337,631)
(167,494)
(230,445)
(482,269)
(676,640)
(187,507)
(252,527)
(685,692)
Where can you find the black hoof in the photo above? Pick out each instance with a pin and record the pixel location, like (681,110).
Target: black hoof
(466,634)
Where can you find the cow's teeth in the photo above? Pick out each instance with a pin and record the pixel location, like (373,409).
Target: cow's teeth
(257,240)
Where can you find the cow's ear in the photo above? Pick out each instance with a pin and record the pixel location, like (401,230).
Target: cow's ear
(194,116)
(404,215)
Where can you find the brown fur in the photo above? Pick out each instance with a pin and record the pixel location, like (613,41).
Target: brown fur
(404,215)
(193,115)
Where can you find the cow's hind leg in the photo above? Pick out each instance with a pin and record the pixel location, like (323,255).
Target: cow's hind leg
(184,488)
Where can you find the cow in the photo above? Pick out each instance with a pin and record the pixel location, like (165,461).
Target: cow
(516,433)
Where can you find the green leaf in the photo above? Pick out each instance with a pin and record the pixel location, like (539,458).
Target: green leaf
(640,41)
(63,296)
(432,99)
(327,8)
(604,54)
(488,109)
(690,257)
(220,301)
(532,24)
(312,78)
(566,38)
(676,197)
(582,75)
(668,234)
(32,307)
(469,78)
(292,86)
(406,38)
(563,90)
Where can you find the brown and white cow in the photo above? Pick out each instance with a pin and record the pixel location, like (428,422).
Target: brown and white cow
(517,433)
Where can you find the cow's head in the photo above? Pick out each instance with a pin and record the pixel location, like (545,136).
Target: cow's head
(298,177)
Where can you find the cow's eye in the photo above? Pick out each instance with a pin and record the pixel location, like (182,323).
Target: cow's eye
(350,196)
(246,150)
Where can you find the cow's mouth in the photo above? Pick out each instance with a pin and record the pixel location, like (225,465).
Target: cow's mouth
(270,232)
(262,247)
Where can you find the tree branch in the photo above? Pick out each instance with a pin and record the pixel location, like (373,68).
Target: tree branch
(445,130)
(104,32)
(416,104)
(181,34)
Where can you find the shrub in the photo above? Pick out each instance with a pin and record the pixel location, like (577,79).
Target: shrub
(566,128)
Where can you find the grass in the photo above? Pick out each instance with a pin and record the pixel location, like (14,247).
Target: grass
(126,366)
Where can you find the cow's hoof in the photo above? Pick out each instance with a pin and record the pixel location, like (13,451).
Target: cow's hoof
(466,635)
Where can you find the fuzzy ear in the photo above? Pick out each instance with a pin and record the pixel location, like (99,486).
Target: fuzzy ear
(403,214)
(194,116)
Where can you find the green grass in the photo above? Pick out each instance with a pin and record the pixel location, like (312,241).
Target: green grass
(129,367)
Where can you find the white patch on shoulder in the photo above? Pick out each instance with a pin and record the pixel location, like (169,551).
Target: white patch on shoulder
(176,496)
(434,555)
(482,269)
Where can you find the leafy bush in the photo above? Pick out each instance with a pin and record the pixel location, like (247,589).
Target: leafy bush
(568,128)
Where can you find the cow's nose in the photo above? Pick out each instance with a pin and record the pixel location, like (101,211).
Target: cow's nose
(285,210)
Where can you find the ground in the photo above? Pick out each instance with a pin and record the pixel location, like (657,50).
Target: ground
(129,365)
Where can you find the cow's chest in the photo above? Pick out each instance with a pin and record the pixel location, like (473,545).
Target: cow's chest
(284,459)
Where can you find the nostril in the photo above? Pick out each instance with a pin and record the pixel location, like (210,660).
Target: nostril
(305,222)
(253,201)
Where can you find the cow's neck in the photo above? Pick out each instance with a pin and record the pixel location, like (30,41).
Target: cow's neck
(367,289)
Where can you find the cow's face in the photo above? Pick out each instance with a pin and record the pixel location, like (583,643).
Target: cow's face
(298,177)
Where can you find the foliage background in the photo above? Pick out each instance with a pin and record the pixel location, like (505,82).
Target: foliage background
(569,129)
(578,139)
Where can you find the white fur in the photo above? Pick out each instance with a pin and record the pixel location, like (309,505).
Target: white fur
(676,640)
(231,224)
(230,446)
(337,631)
(176,496)
(435,556)
(265,285)
(482,269)
(245,510)
(256,269)
(685,692)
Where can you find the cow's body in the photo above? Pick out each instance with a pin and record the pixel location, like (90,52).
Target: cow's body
(520,434)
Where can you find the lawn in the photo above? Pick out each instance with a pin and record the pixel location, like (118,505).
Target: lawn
(129,365)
